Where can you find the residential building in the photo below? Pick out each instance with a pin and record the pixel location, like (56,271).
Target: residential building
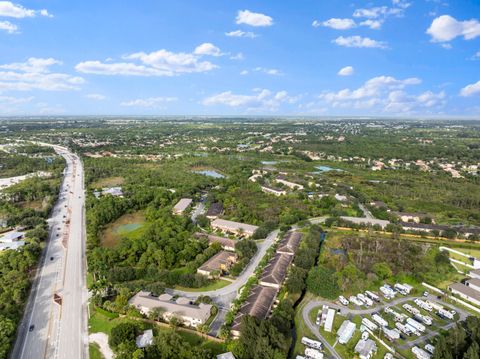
(218,264)
(291,185)
(228,355)
(226,243)
(258,304)
(366,221)
(145,339)
(113,191)
(345,332)
(182,205)
(473,283)
(233,227)
(465,292)
(276,191)
(215,210)
(411,217)
(290,243)
(366,349)
(181,308)
(275,271)
(422,227)
(11,240)
(475,273)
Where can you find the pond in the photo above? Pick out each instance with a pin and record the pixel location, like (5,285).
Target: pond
(326,169)
(210,173)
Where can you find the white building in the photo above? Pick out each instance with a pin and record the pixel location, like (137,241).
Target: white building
(233,227)
(329,321)
(366,349)
(181,308)
(465,292)
(345,332)
(12,240)
(277,192)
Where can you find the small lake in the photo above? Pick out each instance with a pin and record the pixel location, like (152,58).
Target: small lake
(125,228)
(210,173)
(326,169)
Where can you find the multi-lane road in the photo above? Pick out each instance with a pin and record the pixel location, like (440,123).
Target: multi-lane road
(58,328)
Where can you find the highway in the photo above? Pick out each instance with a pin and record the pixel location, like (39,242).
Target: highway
(50,329)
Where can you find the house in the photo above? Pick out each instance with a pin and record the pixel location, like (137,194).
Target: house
(465,292)
(113,191)
(345,332)
(182,205)
(228,355)
(290,243)
(475,273)
(366,221)
(275,271)
(379,204)
(411,217)
(181,308)
(340,197)
(422,227)
(145,339)
(215,210)
(365,348)
(473,283)
(11,240)
(291,185)
(226,243)
(258,305)
(277,192)
(218,264)
(233,227)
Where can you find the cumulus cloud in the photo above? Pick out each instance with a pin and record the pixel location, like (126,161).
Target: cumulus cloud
(156,63)
(8,27)
(9,9)
(96,96)
(339,24)
(274,72)
(346,71)
(446,28)
(238,56)
(471,90)
(358,41)
(253,18)
(35,74)
(149,102)
(207,48)
(397,9)
(372,24)
(385,94)
(260,99)
(240,33)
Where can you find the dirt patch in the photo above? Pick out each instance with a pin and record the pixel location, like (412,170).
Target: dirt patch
(108,182)
(102,340)
(126,225)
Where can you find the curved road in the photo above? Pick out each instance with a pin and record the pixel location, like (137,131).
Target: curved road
(344,311)
(50,330)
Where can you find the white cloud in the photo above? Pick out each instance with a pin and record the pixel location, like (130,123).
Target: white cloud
(96,96)
(149,102)
(358,41)
(253,18)
(156,63)
(239,56)
(9,9)
(316,23)
(385,94)
(207,48)
(35,74)
(261,99)
(8,27)
(10,100)
(446,28)
(339,24)
(240,33)
(267,71)
(244,72)
(372,24)
(476,56)
(470,90)
(346,71)
(398,9)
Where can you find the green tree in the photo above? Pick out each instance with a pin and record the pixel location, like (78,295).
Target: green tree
(382,270)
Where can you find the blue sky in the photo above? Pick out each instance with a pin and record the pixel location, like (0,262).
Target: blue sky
(304,57)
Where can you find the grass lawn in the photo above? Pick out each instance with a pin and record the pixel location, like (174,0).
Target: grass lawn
(129,225)
(220,283)
(108,182)
(94,351)
(100,322)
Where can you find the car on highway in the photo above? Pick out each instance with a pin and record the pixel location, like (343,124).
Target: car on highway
(31,328)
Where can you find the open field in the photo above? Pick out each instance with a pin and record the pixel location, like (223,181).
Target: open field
(130,224)
(108,182)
